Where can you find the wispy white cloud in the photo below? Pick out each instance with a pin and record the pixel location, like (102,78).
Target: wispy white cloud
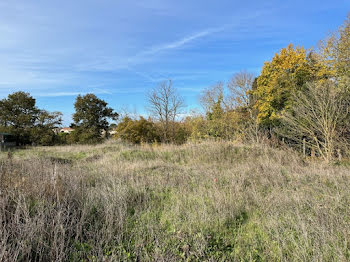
(58,94)
(95,91)
(181,42)
(151,52)
(111,63)
(143,75)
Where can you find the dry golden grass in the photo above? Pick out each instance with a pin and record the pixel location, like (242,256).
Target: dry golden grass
(213,201)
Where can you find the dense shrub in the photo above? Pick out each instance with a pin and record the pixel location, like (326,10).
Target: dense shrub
(137,131)
(82,135)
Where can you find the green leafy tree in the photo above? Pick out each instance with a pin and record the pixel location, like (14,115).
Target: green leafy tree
(43,132)
(215,117)
(91,118)
(20,117)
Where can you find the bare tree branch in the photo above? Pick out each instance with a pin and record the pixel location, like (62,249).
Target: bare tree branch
(165,105)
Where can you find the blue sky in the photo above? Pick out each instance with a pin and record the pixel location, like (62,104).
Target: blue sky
(121,49)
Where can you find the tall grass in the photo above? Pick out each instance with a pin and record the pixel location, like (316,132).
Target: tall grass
(213,201)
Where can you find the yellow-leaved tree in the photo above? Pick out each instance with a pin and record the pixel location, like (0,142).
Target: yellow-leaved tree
(288,71)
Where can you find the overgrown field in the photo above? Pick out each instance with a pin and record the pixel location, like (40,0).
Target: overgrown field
(212,201)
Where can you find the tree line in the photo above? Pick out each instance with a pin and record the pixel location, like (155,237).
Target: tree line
(301,99)
(30,125)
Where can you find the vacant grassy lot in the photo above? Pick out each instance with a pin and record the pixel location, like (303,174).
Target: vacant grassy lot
(197,202)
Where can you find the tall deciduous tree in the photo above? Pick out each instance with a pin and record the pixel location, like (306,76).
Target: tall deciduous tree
(165,104)
(288,71)
(91,116)
(239,87)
